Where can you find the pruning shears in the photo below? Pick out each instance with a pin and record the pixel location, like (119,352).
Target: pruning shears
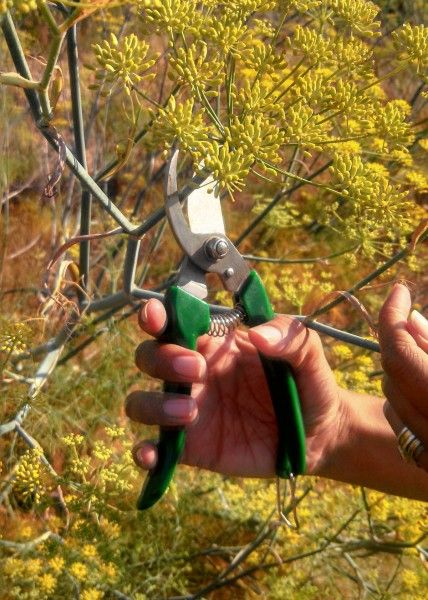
(208,250)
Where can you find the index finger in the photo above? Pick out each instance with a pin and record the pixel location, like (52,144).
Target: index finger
(152,317)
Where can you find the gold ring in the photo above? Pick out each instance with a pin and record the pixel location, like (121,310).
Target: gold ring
(409,445)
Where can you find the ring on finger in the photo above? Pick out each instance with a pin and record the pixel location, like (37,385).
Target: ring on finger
(410,446)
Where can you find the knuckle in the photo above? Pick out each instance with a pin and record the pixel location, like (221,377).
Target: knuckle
(397,356)
(144,354)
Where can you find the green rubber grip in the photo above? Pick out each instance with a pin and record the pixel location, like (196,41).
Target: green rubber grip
(188,318)
(291,452)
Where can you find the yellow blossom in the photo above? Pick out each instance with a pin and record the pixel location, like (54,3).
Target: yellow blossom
(56,564)
(73,439)
(89,551)
(47,582)
(91,594)
(79,570)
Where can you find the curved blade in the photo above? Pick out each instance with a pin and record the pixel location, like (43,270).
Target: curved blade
(204,209)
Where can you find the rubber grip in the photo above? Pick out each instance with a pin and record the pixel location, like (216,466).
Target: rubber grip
(188,318)
(291,451)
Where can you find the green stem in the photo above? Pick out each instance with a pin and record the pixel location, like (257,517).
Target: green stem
(302,261)
(297,178)
(18,81)
(363,282)
(51,64)
(205,102)
(284,79)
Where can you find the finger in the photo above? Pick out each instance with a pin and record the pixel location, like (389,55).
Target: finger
(401,356)
(145,455)
(393,317)
(397,426)
(170,362)
(165,410)
(417,326)
(287,338)
(152,317)
(406,410)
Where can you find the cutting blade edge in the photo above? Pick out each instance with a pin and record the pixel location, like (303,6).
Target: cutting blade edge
(204,208)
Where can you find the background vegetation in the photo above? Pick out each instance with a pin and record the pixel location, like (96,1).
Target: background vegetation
(312,114)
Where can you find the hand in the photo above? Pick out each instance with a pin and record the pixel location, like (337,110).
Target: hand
(230,421)
(404,347)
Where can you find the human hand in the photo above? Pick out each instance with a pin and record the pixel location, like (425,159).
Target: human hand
(231,426)
(404,354)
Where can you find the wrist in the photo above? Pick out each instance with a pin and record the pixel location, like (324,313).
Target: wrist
(326,451)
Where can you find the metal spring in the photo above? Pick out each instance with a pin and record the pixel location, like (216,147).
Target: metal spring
(224,323)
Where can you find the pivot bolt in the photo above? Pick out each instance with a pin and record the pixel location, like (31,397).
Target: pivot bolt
(216,248)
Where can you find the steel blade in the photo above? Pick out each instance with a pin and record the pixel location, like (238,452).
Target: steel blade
(204,209)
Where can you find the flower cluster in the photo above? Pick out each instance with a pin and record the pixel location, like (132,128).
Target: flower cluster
(124,62)
(173,16)
(14,337)
(177,121)
(192,67)
(257,136)
(228,166)
(309,42)
(21,6)
(372,205)
(411,42)
(391,125)
(359,15)
(28,481)
(302,129)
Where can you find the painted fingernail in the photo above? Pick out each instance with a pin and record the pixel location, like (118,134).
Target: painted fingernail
(187,366)
(420,323)
(180,409)
(269,333)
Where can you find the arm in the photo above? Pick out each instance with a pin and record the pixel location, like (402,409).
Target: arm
(366,452)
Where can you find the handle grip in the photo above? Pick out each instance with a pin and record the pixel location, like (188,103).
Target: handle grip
(291,452)
(188,318)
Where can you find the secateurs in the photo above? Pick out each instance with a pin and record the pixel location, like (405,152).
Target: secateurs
(208,250)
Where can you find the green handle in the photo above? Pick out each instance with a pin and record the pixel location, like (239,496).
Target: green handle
(291,453)
(188,318)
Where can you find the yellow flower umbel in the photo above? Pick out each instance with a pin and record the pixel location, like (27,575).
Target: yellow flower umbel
(358,15)
(124,62)
(173,16)
(14,337)
(29,476)
(194,69)
(411,42)
(229,167)
(373,205)
(257,136)
(177,121)
(21,6)
(390,125)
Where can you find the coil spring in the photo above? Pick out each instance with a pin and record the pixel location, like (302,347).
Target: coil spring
(222,324)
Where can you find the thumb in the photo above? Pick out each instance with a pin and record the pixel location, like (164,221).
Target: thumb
(287,338)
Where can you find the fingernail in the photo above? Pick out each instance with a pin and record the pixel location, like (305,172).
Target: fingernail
(179,408)
(143,313)
(269,333)
(187,366)
(420,323)
(140,456)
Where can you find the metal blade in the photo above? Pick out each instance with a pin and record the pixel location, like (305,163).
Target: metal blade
(204,209)
(192,279)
